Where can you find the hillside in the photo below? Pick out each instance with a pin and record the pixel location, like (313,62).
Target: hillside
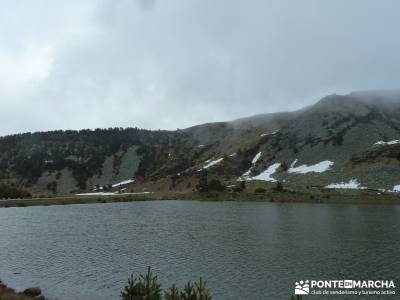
(341,141)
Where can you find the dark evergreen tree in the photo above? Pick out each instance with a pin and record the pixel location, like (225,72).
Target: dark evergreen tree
(173,293)
(202,292)
(189,292)
(145,287)
(133,290)
(152,289)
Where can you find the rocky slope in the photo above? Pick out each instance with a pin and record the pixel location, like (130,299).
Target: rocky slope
(341,141)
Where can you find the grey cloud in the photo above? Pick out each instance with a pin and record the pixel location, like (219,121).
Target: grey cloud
(170,64)
(147,4)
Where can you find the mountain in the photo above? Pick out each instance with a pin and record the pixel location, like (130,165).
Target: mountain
(341,141)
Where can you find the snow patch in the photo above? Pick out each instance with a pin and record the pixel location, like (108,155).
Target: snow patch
(210,163)
(352,184)
(293,163)
(316,168)
(246,175)
(396,188)
(272,133)
(266,175)
(111,194)
(96,194)
(256,158)
(382,143)
(123,182)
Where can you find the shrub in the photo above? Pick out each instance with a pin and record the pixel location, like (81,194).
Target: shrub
(260,190)
(10,191)
(215,185)
(240,188)
(279,186)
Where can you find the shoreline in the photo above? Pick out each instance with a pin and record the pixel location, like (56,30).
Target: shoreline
(8,293)
(287,196)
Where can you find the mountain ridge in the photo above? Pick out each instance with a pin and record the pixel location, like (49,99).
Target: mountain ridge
(341,129)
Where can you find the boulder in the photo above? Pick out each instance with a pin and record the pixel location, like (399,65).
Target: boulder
(33,291)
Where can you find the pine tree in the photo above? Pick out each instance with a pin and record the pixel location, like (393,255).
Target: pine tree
(202,292)
(146,287)
(132,291)
(188,292)
(152,289)
(172,293)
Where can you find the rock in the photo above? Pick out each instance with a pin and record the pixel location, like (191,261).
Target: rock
(33,291)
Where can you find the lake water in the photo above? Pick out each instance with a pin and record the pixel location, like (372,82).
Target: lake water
(244,250)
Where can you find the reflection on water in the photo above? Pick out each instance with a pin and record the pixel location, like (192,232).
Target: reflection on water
(244,250)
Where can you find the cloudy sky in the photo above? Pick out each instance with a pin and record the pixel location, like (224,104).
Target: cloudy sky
(174,63)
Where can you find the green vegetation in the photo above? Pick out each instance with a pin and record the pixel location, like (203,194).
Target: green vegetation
(206,185)
(7,293)
(66,162)
(254,191)
(12,192)
(83,152)
(279,186)
(147,287)
(260,190)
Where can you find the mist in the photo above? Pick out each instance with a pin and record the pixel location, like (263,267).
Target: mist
(174,64)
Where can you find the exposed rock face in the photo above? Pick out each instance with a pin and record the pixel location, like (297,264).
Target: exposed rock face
(341,129)
(377,153)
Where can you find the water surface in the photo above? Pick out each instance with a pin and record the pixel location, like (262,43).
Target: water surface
(244,250)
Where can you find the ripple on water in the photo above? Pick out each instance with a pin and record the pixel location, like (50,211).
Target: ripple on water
(244,250)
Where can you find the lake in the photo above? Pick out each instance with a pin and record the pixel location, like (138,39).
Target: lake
(244,250)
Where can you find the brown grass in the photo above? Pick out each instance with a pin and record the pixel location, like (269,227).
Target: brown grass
(7,293)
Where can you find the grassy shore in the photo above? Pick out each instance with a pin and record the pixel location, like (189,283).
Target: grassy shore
(310,195)
(7,293)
